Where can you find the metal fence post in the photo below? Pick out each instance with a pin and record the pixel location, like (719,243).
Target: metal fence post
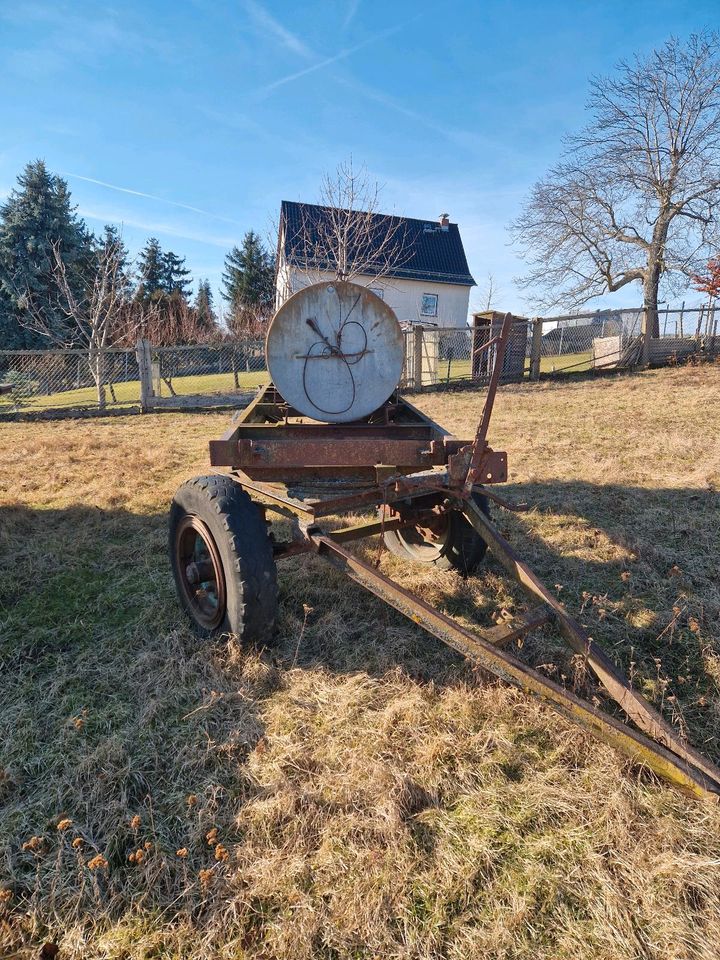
(144,359)
(535,348)
(418,357)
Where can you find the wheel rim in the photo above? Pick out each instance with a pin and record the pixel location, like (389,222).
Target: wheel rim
(426,542)
(200,570)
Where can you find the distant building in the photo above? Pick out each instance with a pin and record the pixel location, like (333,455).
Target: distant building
(430,284)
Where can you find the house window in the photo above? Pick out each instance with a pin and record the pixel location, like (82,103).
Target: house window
(378,291)
(428,305)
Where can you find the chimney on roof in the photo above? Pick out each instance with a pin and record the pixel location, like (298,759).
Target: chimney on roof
(444,219)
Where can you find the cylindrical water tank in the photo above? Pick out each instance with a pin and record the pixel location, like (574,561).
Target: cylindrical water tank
(335,351)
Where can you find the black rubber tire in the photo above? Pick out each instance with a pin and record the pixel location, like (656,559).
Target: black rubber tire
(244,550)
(461,548)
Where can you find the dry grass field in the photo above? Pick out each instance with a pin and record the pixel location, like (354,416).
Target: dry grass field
(357,790)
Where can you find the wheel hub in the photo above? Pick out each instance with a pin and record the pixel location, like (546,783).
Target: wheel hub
(202,579)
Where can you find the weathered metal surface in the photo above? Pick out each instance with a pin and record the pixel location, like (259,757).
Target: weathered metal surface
(701,779)
(339,452)
(617,685)
(503,634)
(335,351)
(266,445)
(478,455)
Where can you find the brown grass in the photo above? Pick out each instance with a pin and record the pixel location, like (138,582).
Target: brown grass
(357,791)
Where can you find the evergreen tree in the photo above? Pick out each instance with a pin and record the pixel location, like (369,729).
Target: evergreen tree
(151,271)
(203,306)
(249,276)
(38,215)
(111,240)
(176,276)
(161,274)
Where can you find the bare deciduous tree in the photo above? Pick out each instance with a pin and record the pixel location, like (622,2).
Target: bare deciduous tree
(637,194)
(488,294)
(170,320)
(98,318)
(350,238)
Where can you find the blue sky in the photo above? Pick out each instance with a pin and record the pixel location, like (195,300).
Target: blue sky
(207,114)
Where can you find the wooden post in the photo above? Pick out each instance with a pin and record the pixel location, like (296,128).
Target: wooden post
(418,356)
(155,368)
(535,348)
(144,359)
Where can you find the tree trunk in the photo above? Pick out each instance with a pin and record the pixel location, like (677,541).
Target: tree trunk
(97,371)
(651,283)
(651,286)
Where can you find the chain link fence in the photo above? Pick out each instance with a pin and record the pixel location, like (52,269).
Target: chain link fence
(46,380)
(582,342)
(452,356)
(227,374)
(206,375)
(613,339)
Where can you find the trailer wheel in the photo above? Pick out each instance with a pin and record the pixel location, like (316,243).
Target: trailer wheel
(450,544)
(222,560)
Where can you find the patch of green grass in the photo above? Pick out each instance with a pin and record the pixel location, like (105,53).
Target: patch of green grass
(128,393)
(447,371)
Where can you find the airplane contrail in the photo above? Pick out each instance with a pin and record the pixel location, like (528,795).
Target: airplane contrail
(151,196)
(264,91)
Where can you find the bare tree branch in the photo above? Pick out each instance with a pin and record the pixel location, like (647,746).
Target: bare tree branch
(637,194)
(350,238)
(98,318)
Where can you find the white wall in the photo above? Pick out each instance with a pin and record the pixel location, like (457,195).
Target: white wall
(403,296)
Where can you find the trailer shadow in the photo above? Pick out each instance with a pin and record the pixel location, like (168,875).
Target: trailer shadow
(93,640)
(112,708)
(639,567)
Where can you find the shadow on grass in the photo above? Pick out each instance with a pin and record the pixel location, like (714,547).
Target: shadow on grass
(112,708)
(90,621)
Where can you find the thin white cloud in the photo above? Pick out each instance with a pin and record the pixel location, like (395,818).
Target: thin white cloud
(468,139)
(321,64)
(151,196)
(352,9)
(153,227)
(61,37)
(267,24)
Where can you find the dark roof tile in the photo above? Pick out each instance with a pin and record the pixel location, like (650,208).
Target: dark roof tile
(429,252)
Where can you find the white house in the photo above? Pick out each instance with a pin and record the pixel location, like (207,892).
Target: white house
(431,283)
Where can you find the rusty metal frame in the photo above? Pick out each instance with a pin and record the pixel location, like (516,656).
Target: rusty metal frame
(396,453)
(270,442)
(670,758)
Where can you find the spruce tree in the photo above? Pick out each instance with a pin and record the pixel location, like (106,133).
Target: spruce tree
(203,306)
(37,216)
(249,275)
(111,240)
(151,271)
(176,276)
